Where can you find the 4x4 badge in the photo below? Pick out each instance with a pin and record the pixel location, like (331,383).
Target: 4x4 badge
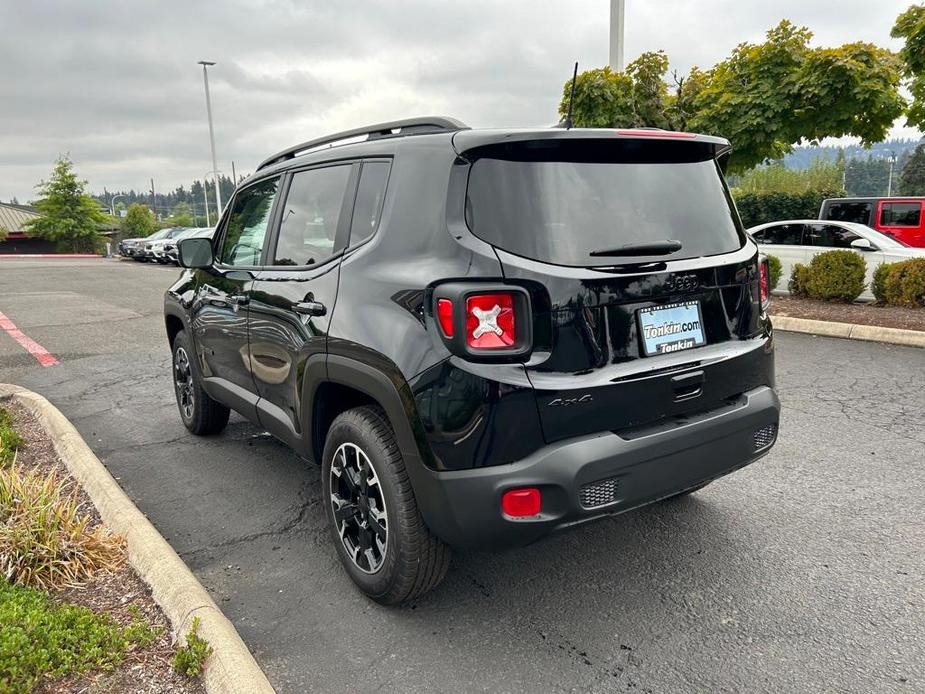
(568,402)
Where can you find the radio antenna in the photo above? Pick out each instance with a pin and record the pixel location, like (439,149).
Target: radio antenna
(567,123)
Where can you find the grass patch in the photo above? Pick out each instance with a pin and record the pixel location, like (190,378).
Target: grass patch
(41,639)
(10,440)
(45,540)
(189,659)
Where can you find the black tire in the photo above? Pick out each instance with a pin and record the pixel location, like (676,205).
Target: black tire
(200,413)
(413,561)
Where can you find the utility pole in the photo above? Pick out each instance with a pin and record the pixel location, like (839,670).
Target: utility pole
(617,16)
(234,176)
(153,200)
(205,79)
(205,201)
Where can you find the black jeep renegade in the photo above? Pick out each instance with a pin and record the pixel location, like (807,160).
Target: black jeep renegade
(483,336)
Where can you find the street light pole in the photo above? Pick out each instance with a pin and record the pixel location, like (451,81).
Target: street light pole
(205,180)
(205,79)
(889,185)
(112,204)
(617,15)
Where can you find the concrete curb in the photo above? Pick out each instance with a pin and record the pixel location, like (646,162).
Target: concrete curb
(231,668)
(850,331)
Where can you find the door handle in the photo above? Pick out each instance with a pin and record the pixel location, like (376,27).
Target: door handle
(688,385)
(310,308)
(239,299)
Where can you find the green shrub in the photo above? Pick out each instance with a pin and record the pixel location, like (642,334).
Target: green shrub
(759,208)
(189,659)
(878,285)
(836,276)
(42,639)
(799,277)
(775,271)
(46,541)
(10,440)
(905,283)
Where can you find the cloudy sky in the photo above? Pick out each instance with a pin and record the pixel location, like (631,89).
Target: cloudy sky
(116,84)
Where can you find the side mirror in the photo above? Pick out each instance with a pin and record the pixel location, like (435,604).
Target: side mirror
(195,253)
(863,245)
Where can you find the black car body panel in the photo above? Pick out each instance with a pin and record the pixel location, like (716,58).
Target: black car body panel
(290,340)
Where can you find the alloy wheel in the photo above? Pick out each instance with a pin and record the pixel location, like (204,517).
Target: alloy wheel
(183,382)
(358,503)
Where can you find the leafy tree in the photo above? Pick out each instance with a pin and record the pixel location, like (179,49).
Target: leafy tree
(912,178)
(180,216)
(67,215)
(764,97)
(910,25)
(138,222)
(3,233)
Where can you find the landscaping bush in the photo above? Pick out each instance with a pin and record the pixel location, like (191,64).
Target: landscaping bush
(878,286)
(775,271)
(45,541)
(43,639)
(798,279)
(836,276)
(759,208)
(904,284)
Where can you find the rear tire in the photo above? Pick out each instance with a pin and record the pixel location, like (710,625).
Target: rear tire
(200,413)
(378,532)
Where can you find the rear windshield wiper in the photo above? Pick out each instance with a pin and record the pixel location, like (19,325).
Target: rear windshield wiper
(666,247)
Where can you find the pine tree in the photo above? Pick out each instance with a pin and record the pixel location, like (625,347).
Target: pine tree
(912,179)
(67,215)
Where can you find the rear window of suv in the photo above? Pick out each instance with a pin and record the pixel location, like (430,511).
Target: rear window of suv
(560,209)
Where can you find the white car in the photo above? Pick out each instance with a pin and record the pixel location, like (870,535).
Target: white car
(798,240)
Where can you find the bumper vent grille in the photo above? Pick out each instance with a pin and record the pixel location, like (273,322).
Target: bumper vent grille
(765,436)
(599,493)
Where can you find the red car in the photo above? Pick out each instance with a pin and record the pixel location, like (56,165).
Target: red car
(901,218)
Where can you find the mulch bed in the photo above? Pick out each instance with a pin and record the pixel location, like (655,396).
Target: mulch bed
(147,670)
(864,314)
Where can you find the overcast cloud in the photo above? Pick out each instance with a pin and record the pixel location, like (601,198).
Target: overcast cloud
(116,84)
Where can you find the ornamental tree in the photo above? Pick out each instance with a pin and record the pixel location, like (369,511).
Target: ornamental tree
(67,215)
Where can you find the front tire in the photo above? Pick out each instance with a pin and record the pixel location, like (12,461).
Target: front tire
(380,536)
(200,413)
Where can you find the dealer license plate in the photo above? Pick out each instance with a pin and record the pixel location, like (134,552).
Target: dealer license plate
(671,328)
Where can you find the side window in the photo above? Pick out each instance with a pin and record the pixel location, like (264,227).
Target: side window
(782,234)
(247,224)
(900,214)
(858,212)
(308,228)
(370,196)
(831,236)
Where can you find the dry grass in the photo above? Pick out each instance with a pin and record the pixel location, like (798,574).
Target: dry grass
(45,540)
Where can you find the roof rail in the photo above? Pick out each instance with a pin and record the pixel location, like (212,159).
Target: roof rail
(408,126)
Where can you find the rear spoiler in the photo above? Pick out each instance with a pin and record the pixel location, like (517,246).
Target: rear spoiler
(473,144)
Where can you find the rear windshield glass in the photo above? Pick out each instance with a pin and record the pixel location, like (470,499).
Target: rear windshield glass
(560,211)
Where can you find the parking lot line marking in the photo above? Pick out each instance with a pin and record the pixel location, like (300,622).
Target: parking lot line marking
(42,355)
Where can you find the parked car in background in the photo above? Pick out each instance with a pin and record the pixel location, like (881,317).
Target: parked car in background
(154,247)
(132,248)
(798,240)
(901,218)
(482,336)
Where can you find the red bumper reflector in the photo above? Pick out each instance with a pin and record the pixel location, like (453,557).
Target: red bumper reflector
(519,503)
(445,316)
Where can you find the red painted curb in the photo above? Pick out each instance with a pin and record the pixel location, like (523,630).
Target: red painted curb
(42,355)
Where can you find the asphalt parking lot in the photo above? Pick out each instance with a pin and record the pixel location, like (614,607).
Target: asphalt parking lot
(804,572)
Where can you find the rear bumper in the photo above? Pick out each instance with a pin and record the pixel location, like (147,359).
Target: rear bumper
(597,475)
